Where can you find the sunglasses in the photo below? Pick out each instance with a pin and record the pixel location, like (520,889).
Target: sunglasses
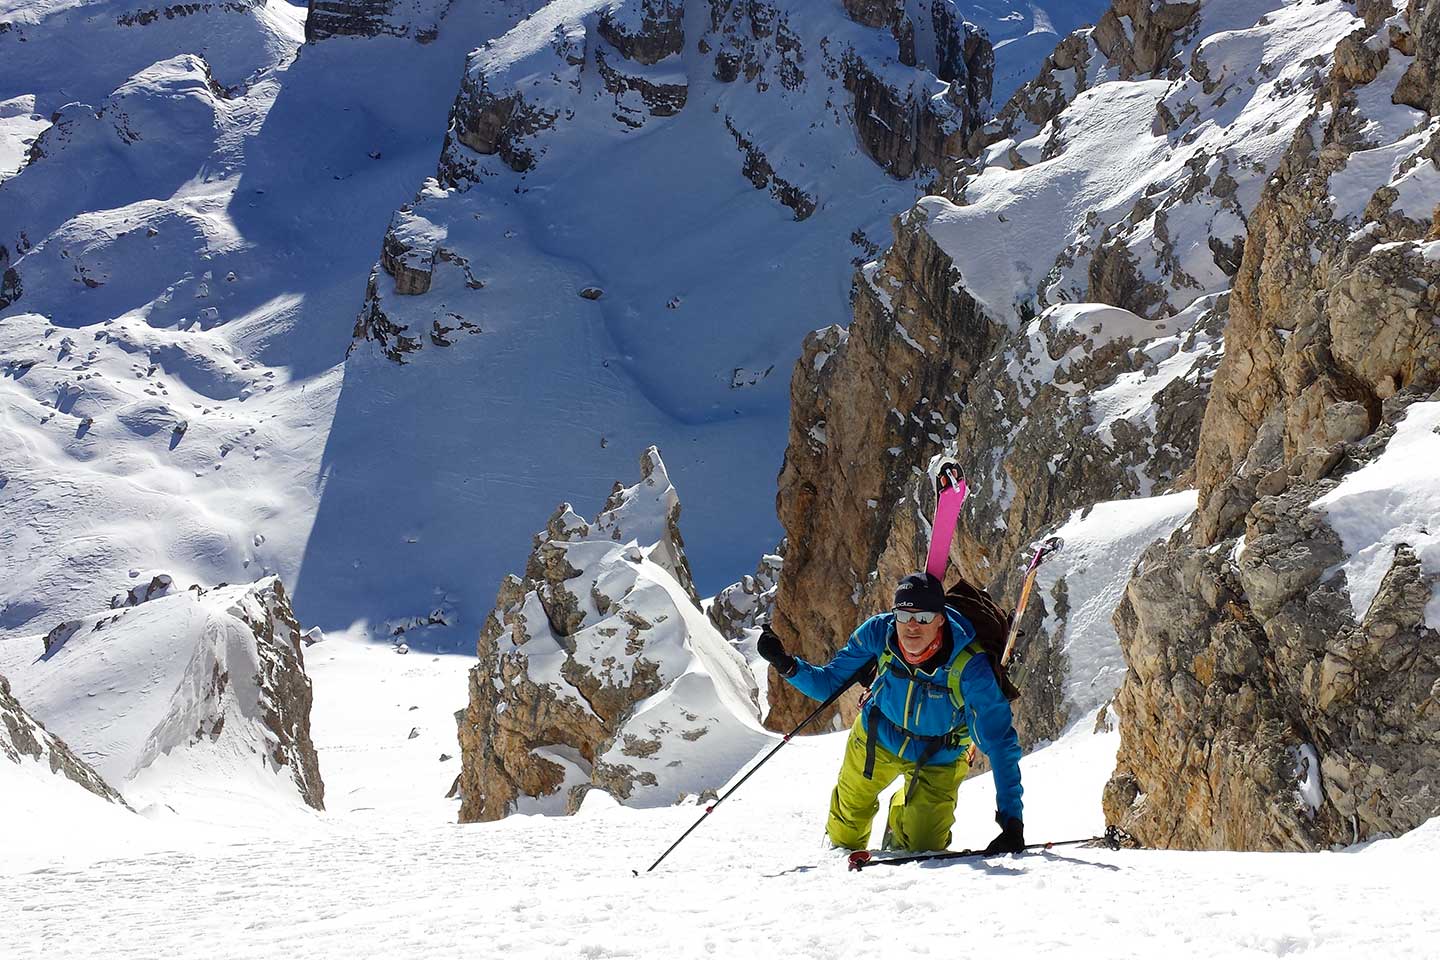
(919,616)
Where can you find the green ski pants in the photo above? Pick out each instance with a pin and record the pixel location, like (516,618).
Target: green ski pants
(921,824)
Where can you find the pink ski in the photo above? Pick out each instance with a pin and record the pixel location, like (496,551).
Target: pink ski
(950,496)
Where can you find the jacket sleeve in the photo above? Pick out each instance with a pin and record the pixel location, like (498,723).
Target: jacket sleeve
(818,683)
(988,713)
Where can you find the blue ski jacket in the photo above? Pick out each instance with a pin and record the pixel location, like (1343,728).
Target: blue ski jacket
(907,708)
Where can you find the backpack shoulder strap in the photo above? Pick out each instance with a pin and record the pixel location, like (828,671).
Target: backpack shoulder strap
(956,668)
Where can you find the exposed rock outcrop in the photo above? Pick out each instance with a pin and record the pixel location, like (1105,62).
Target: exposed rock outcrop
(222,688)
(1283,664)
(865,414)
(646,31)
(522,84)
(900,129)
(419,19)
(414,249)
(24,739)
(749,601)
(604,618)
(1141,37)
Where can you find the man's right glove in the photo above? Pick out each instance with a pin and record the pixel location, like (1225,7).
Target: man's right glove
(770,647)
(1011,839)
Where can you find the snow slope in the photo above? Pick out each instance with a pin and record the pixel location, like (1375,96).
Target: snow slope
(192,245)
(752,881)
(188,702)
(198,259)
(1164,171)
(386,871)
(1101,545)
(1393,500)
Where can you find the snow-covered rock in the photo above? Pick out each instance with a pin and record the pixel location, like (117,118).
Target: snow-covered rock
(419,20)
(1291,628)
(32,751)
(598,670)
(749,601)
(199,694)
(1126,172)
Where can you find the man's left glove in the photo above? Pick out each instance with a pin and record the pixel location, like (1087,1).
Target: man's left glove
(1011,839)
(770,647)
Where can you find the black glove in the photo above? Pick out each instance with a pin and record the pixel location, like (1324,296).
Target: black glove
(1011,839)
(770,647)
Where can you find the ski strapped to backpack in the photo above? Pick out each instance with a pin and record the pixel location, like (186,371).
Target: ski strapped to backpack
(950,490)
(1113,839)
(990,625)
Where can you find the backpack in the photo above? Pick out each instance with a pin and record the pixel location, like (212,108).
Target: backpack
(992,626)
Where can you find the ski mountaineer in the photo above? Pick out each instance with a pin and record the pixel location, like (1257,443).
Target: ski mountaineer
(932,690)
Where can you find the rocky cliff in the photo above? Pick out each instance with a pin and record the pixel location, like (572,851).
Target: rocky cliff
(749,601)
(418,19)
(1054,317)
(598,671)
(1283,649)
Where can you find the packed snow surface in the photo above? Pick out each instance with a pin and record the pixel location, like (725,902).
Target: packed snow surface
(386,874)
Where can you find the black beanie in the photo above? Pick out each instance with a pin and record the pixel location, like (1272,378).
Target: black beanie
(920,591)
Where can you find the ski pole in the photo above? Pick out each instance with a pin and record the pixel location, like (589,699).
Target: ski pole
(784,740)
(1113,838)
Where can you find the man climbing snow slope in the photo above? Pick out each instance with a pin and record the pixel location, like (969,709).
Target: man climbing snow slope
(934,689)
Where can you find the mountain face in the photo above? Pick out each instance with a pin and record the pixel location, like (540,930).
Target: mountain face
(598,670)
(1295,623)
(974,328)
(638,210)
(193,694)
(1193,251)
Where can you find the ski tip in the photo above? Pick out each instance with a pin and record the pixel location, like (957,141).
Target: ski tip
(949,475)
(859,859)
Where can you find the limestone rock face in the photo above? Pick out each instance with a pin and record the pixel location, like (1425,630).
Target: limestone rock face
(1283,662)
(1318,342)
(414,249)
(749,601)
(900,131)
(522,84)
(418,19)
(1141,37)
(181,692)
(24,739)
(1081,324)
(647,31)
(604,619)
(864,418)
